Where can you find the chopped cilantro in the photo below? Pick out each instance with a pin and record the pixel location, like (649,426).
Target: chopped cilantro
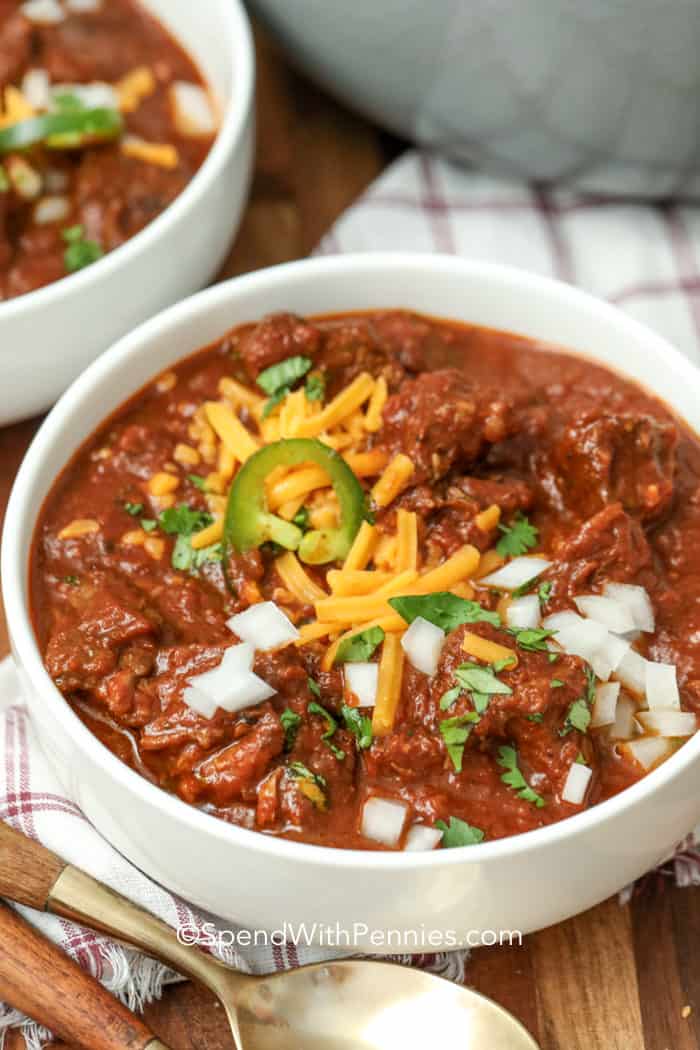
(537,716)
(272,402)
(133,508)
(290,722)
(478,679)
(183,520)
(556,683)
(301,518)
(508,760)
(359,724)
(359,647)
(80,252)
(444,609)
(580,760)
(198,481)
(458,833)
(148,524)
(4,181)
(447,699)
(187,559)
(552,657)
(302,772)
(283,374)
(315,388)
(533,639)
(72,580)
(578,717)
(331,726)
(455,732)
(314,687)
(544,591)
(518,537)
(311,785)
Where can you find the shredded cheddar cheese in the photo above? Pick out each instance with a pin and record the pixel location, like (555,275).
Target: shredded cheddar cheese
(79,527)
(343,405)
(239,395)
(297,580)
(162,154)
(205,537)
(348,582)
(393,481)
(486,650)
(488,519)
(407,540)
(362,548)
(373,416)
(388,686)
(133,88)
(239,441)
(490,561)
(162,483)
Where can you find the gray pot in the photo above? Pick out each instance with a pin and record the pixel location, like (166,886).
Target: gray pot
(601,93)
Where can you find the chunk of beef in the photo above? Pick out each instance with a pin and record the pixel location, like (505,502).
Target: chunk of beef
(374,345)
(453,520)
(273,340)
(617,459)
(438,421)
(15,42)
(235,771)
(609,546)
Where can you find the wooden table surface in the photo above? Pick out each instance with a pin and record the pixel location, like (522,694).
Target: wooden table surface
(613,978)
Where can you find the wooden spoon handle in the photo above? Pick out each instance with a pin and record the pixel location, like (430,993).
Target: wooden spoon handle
(27,869)
(44,983)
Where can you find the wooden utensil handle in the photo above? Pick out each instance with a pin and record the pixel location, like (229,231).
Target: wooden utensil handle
(44,983)
(27,869)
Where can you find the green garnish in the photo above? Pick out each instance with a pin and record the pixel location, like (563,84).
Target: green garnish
(183,520)
(72,126)
(359,647)
(518,537)
(447,699)
(444,609)
(290,722)
(272,402)
(302,772)
(536,717)
(580,760)
(331,726)
(455,732)
(133,508)
(277,380)
(312,785)
(187,559)
(4,181)
(72,580)
(198,481)
(544,591)
(478,679)
(359,724)
(458,833)
(315,388)
(556,683)
(314,687)
(533,639)
(508,760)
(80,251)
(301,519)
(578,717)
(148,524)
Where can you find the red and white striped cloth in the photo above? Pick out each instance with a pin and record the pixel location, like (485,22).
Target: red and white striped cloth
(646,259)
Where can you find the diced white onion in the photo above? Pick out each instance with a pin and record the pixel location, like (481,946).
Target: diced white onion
(631,671)
(194,113)
(362,680)
(611,613)
(671,723)
(625,713)
(561,620)
(36,88)
(661,686)
(649,750)
(524,613)
(199,701)
(582,638)
(246,691)
(637,601)
(576,784)
(263,625)
(423,643)
(231,685)
(45,12)
(51,209)
(81,7)
(605,705)
(97,95)
(609,657)
(238,658)
(421,838)
(383,820)
(516,573)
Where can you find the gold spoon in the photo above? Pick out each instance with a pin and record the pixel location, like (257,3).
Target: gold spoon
(355,1003)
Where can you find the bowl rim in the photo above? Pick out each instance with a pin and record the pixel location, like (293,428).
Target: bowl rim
(239,42)
(22,514)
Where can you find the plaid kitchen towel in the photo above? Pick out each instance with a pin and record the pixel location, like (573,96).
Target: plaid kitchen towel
(644,258)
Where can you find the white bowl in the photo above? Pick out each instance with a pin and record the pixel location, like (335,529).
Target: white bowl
(47,337)
(521,883)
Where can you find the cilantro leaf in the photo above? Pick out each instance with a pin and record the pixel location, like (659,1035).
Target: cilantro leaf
(276,399)
(359,647)
(80,252)
(536,717)
(187,559)
(283,374)
(359,724)
(183,521)
(133,508)
(578,717)
(533,639)
(455,732)
(315,388)
(447,699)
(513,778)
(311,785)
(478,679)
(518,537)
(290,722)
(556,683)
(458,833)
(331,726)
(198,481)
(302,772)
(314,687)
(444,609)
(544,591)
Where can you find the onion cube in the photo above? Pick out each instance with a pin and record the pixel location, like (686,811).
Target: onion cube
(516,573)
(612,614)
(264,625)
(420,838)
(661,686)
(671,723)
(423,643)
(576,784)
(605,705)
(362,680)
(383,820)
(524,613)
(637,601)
